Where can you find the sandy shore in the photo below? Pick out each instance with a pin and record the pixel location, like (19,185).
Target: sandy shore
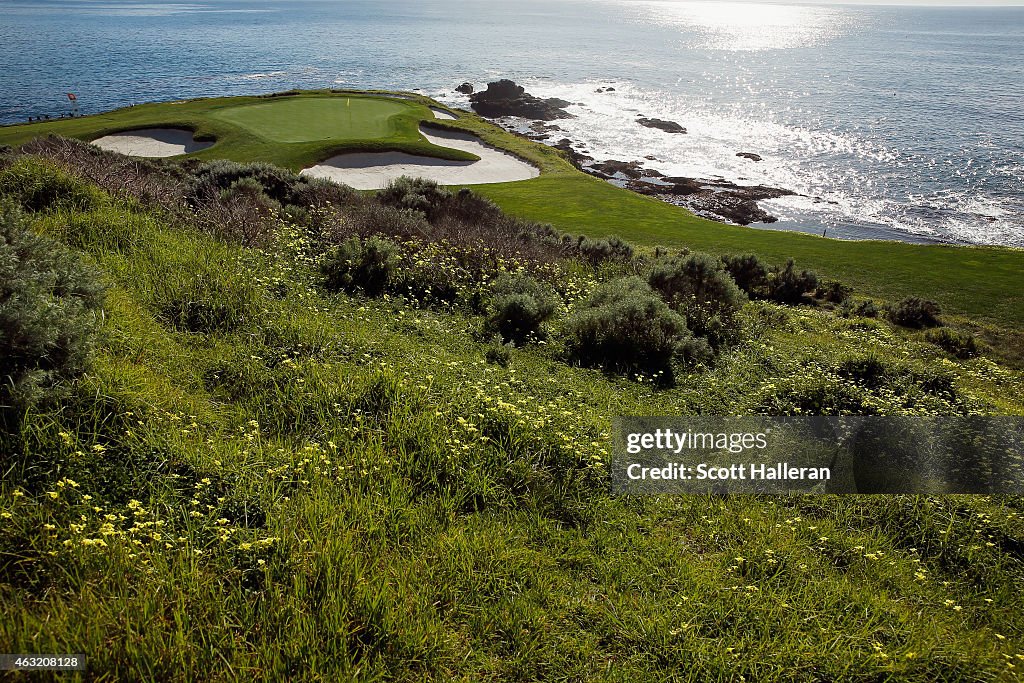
(152,142)
(372,171)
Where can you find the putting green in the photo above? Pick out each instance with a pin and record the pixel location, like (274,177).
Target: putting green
(312,119)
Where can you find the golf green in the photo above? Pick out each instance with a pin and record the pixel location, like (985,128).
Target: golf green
(311,119)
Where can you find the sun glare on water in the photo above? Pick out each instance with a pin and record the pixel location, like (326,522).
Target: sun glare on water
(746,26)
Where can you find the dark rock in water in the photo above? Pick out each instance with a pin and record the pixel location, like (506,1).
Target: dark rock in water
(749,155)
(506,98)
(577,159)
(466,88)
(651,157)
(608,89)
(661,124)
(630,169)
(541,127)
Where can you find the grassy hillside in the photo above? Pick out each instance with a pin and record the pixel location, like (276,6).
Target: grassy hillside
(299,130)
(254,476)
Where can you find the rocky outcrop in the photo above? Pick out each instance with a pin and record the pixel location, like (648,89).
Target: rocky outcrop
(624,169)
(506,98)
(749,155)
(608,89)
(466,88)
(576,158)
(716,199)
(661,124)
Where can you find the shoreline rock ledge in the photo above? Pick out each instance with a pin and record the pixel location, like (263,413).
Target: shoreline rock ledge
(506,98)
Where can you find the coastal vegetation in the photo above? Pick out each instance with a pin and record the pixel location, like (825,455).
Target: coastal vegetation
(277,428)
(979,282)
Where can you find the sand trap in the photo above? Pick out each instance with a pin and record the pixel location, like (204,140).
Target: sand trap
(152,142)
(442,114)
(374,170)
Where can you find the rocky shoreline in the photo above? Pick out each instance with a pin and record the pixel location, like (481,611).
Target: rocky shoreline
(716,199)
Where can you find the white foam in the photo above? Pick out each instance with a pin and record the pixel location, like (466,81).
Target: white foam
(152,142)
(374,170)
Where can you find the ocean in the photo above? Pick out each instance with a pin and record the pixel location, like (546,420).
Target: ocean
(891,122)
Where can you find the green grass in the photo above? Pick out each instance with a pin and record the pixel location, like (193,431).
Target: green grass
(980,282)
(338,488)
(313,119)
(295,131)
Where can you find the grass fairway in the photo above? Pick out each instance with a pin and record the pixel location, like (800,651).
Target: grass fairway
(297,131)
(310,119)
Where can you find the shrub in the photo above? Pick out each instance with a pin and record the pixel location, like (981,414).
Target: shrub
(518,307)
(625,326)
(866,308)
(377,219)
(608,249)
(414,194)
(833,291)
(49,313)
(958,343)
(211,178)
(868,370)
(915,313)
(813,395)
(498,354)
(40,186)
(370,265)
(786,286)
(699,287)
(748,273)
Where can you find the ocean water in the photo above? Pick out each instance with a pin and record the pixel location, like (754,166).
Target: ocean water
(892,122)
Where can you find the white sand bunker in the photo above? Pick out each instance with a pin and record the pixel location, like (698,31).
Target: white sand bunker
(152,142)
(442,114)
(374,170)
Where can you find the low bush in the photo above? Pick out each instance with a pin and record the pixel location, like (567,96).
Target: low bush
(833,291)
(868,370)
(956,342)
(814,395)
(371,266)
(700,288)
(748,273)
(209,179)
(414,194)
(608,249)
(865,308)
(518,308)
(915,313)
(787,286)
(49,313)
(625,326)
